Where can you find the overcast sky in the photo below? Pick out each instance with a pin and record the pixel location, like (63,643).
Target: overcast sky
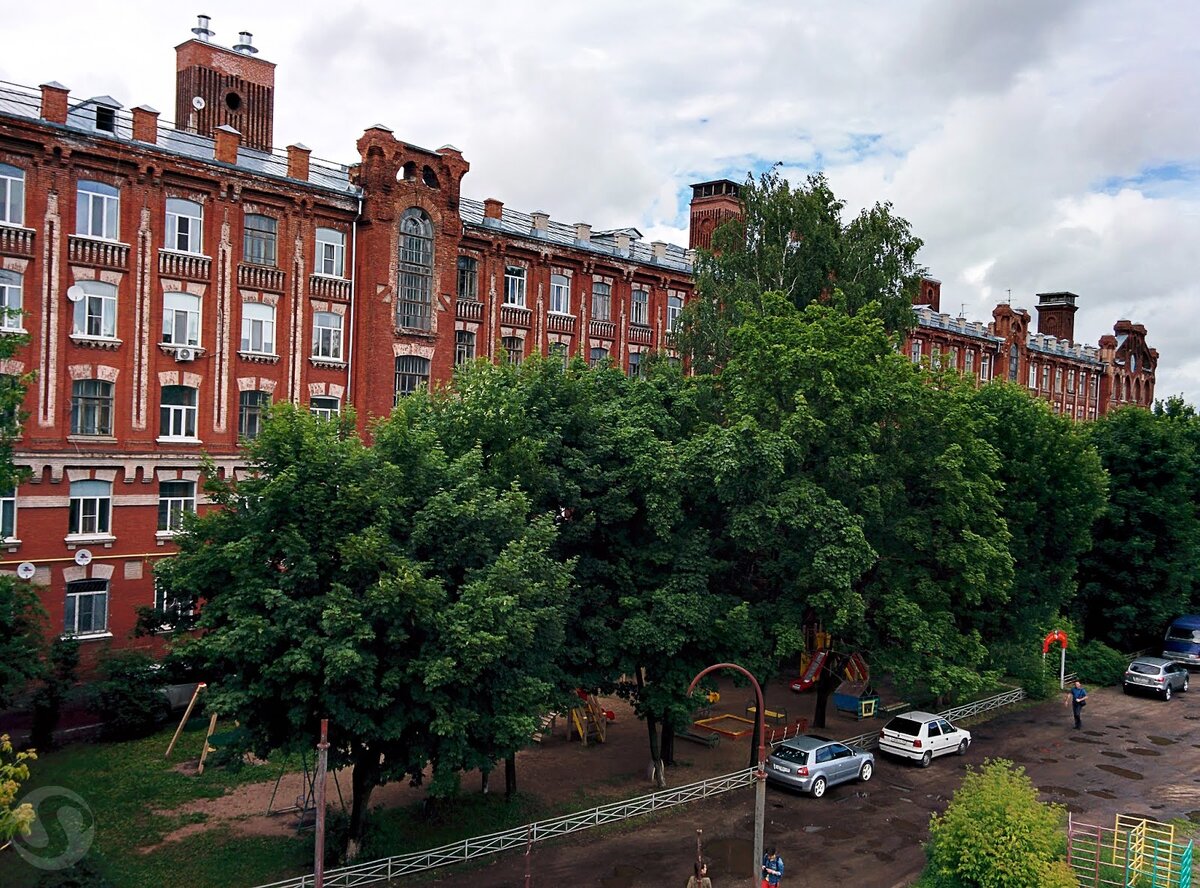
(1034,146)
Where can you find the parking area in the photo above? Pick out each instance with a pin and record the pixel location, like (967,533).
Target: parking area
(1134,755)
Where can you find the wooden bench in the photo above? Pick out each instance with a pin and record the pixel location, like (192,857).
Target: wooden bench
(892,709)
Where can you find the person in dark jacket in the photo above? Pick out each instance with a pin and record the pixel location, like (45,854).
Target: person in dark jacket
(772,869)
(1078,701)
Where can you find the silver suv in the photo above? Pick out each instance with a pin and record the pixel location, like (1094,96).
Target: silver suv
(811,764)
(1156,675)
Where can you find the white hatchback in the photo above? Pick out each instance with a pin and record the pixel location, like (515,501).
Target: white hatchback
(921,736)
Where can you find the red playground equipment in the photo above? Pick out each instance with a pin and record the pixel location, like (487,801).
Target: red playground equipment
(819,646)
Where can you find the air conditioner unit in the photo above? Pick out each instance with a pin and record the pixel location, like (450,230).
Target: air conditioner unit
(185,354)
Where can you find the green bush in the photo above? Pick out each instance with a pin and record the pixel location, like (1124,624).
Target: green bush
(996,834)
(129,698)
(1097,664)
(1024,663)
(48,699)
(83,874)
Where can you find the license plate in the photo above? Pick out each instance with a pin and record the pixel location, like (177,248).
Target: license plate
(783,768)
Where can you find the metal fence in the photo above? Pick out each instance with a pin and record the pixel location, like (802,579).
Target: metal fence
(375,871)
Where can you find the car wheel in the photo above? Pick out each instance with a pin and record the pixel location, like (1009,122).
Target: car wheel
(927,758)
(818,788)
(1185,685)
(962,748)
(1167,692)
(1125,688)
(867,771)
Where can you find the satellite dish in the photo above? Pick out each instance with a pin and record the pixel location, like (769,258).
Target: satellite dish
(75,293)
(26,570)
(198,103)
(83,557)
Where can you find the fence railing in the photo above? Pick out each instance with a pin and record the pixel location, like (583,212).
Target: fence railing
(381,870)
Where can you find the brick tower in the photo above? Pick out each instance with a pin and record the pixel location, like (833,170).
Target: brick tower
(712,203)
(1056,314)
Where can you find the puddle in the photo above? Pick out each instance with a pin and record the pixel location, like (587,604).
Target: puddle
(1086,740)
(1161,741)
(1060,791)
(1138,750)
(1121,772)
(811,828)
(1049,761)
(1094,733)
(1111,754)
(1105,794)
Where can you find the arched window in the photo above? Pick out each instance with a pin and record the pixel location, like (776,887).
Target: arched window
(252,413)
(91,407)
(1013,362)
(95,315)
(416,270)
(181,319)
(12,195)
(184,224)
(177,412)
(412,372)
(96,209)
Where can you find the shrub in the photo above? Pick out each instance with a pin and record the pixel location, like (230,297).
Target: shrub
(83,874)
(996,834)
(129,698)
(1098,664)
(1024,663)
(48,699)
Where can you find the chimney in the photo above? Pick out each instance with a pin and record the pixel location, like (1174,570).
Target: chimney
(690,256)
(225,148)
(145,124)
(493,209)
(539,221)
(298,161)
(622,244)
(245,44)
(583,233)
(1056,315)
(54,102)
(660,250)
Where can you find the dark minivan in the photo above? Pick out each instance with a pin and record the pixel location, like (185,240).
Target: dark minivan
(1182,644)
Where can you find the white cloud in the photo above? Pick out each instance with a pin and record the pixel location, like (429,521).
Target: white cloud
(1033,146)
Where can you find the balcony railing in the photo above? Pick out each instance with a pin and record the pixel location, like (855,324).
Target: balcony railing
(186,266)
(603,329)
(260,277)
(640,335)
(515,315)
(468,310)
(16,240)
(560,323)
(322,287)
(105,254)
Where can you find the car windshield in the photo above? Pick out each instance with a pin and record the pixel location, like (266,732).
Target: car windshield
(788,754)
(1181,633)
(902,725)
(1145,668)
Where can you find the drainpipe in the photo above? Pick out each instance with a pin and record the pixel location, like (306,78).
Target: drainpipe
(353,288)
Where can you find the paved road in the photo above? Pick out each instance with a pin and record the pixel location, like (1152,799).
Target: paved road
(1135,755)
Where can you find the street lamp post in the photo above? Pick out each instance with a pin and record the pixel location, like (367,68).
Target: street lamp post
(760,774)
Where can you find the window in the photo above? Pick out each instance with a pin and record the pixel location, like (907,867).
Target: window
(560,294)
(514,348)
(601,302)
(674,308)
(91,407)
(252,413)
(915,351)
(12,195)
(8,514)
(1071,382)
(416,270)
(468,279)
(181,319)
(560,351)
(184,220)
(96,209)
(1045,377)
(327,336)
(96,313)
(985,368)
(954,357)
(639,308)
(935,357)
(1058,380)
(11,319)
(464,346)
(597,356)
(177,412)
(1032,375)
(1013,363)
(91,507)
(258,240)
(175,499)
(969,362)
(331,252)
(324,407)
(87,607)
(171,609)
(412,372)
(1096,386)
(258,328)
(635,365)
(514,286)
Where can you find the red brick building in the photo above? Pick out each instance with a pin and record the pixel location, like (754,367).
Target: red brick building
(176,280)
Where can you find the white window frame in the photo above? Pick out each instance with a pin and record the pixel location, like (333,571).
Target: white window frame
(674,310)
(253,407)
(414,309)
(90,512)
(329,408)
(176,503)
(258,328)
(11,318)
(331,253)
(327,336)
(95,315)
(171,610)
(514,349)
(464,346)
(94,591)
(92,408)
(915,350)
(177,422)
(560,294)
(97,210)
(411,369)
(639,307)
(12,195)
(514,285)
(181,309)
(985,368)
(969,362)
(185,226)
(601,301)
(8,515)
(260,244)
(1033,375)
(468,279)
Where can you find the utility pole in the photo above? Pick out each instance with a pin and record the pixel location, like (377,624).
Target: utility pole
(322,764)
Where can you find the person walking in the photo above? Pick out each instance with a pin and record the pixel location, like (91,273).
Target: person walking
(1078,701)
(772,869)
(700,878)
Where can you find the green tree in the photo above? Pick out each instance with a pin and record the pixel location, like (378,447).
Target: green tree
(12,397)
(15,819)
(1141,570)
(22,638)
(793,241)
(996,834)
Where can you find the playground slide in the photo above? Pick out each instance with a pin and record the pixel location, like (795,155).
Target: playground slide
(856,668)
(806,681)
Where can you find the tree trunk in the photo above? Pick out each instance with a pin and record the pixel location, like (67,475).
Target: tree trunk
(657,771)
(485,778)
(510,775)
(668,744)
(364,778)
(825,685)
